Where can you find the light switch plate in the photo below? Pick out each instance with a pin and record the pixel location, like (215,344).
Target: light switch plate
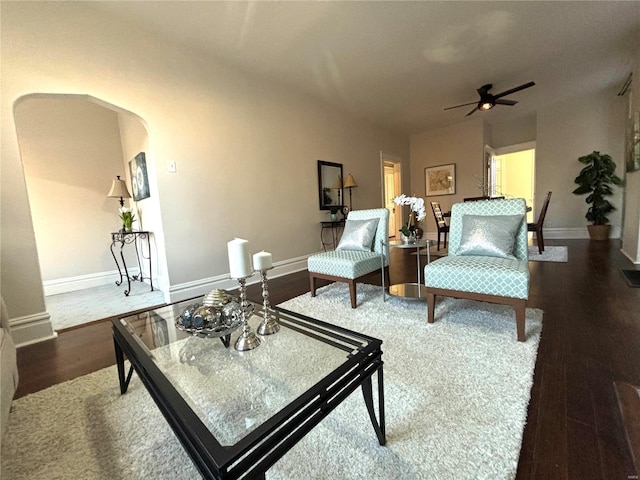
(171,166)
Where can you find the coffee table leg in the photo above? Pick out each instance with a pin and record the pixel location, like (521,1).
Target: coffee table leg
(124,382)
(367,391)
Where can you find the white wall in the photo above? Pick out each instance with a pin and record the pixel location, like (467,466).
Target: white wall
(245,149)
(520,130)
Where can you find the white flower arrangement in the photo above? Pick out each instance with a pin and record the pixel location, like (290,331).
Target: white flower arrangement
(417,210)
(416,203)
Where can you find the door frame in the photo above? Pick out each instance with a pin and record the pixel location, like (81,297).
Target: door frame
(396,162)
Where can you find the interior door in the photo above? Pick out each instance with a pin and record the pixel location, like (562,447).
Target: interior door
(390,193)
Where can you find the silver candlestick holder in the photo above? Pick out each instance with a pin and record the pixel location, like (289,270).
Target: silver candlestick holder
(269,324)
(247,339)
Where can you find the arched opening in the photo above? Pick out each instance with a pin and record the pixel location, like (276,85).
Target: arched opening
(72,147)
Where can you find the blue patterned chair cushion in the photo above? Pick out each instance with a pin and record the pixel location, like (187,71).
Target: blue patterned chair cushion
(489,235)
(503,277)
(358,234)
(345,263)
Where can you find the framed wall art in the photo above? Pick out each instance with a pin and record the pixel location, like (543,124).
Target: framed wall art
(632,142)
(139,178)
(440,180)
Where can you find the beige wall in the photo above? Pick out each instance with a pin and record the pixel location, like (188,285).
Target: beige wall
(520,130)
(71,151)
(462,144)
(631,232)
(245,149)
(569,130)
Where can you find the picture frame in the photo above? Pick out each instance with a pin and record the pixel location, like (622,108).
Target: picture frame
(440,180)
(139,177)
(632,142)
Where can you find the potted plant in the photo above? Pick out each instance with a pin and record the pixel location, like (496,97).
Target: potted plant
(595,180)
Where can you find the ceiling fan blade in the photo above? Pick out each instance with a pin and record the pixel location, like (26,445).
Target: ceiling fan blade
(513,90)
(506,102)
(463,105)
(471,112)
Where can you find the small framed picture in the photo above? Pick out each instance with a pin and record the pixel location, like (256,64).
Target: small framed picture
(440,180)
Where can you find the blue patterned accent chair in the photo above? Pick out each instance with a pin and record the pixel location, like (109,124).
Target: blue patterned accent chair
(349,265)
(465,273)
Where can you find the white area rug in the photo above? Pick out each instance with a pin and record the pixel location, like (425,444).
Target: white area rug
(456,398)
(82,306)
(550,254)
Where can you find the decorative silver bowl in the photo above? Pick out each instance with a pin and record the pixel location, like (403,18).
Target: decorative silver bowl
(217,317)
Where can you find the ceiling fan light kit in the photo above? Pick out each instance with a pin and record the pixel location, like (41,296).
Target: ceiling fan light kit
(488,101)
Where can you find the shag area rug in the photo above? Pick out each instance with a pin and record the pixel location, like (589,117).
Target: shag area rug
(550,254)
(456,396)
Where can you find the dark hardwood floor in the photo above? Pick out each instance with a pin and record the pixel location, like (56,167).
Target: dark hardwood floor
(590,339)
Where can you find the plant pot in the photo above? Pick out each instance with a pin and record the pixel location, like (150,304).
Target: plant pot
(409,240)
(599,232)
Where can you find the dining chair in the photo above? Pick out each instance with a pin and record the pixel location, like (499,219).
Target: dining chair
(537,226)
(441,224)
(485,197)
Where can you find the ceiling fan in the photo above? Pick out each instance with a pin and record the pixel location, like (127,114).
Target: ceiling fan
(488,101)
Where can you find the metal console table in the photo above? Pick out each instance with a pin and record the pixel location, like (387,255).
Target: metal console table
(126,238)
(336,227)
(411,290)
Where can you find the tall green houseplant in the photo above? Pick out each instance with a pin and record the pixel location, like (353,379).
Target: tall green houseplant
(595,180)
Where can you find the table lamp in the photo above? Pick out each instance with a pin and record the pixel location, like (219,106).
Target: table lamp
(350,183)
(119,189)
(338,186)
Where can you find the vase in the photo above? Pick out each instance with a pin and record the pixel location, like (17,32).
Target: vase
(334,217)
(410,239)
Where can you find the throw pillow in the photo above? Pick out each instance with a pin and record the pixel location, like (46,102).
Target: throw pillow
(358,235)
(491,236)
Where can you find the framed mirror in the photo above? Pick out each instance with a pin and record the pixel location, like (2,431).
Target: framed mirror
(330,185)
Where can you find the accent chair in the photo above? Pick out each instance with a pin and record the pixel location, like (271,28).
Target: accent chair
(359,252)
(488,258)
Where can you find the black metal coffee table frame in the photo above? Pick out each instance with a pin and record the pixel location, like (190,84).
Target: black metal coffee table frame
(254,454)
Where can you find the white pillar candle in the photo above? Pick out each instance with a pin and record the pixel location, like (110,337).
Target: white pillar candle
(262,261)
(239,258)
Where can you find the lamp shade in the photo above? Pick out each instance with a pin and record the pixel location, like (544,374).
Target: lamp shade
(119,189)
(350,182)
(338,182)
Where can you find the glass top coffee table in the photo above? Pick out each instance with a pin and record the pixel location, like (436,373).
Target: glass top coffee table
(236,413)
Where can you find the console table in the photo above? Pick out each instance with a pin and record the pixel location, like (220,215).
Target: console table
(127,238)
(336,227)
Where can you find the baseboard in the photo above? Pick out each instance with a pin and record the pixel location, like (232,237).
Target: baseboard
(31,329)
(575,233)
(203,286)
(81,282)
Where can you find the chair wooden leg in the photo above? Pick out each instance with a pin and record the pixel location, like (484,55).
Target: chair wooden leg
(438,241)
(520,320)
(540,239)
(352,292)
(312,281)
(446,234)
(431,303)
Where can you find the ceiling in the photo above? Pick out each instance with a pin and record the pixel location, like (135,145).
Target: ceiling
(399,64)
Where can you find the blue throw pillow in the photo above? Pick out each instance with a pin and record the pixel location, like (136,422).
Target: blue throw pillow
(490,236)
(358,235)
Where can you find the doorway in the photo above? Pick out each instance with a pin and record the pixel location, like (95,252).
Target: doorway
(511,173)
(391,188)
